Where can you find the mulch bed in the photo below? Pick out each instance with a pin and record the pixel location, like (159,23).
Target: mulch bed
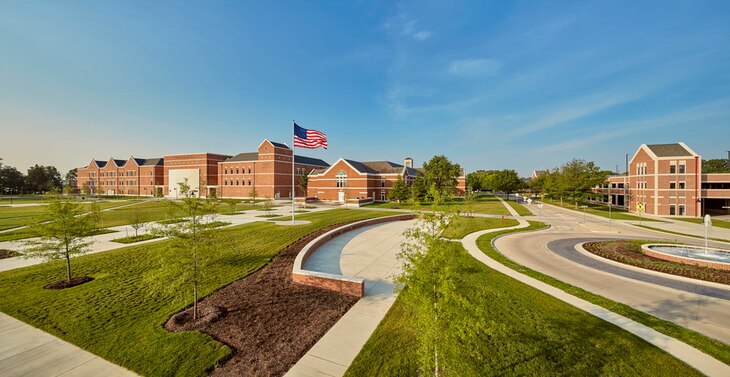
(5,253)
(61,284)
(629,252)
(269,321)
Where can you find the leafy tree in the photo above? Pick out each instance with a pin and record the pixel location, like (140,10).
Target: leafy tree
(11,180)
(72,174)
(267,205)
(442,174)
(419,189)
(715,166)
(190,240)
(43,178)
(63,235)
(470,198)
(253,194)
(400,191)
(431,292)
(95,213)
(504,181)
(304,183)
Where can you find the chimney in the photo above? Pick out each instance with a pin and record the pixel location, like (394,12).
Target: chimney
(408,162)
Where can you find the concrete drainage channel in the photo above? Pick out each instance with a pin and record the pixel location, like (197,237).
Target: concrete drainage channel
(351,285)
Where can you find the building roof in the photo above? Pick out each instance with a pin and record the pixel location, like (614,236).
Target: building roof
(379,167)
(279,145)
(119,163)
(310,161)
(139,161)
(100,164)
(669,150)
(245,156)
(153,161)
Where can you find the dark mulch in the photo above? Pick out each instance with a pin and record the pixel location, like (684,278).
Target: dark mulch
(268,321)
(61,284)
(5,253)
(629,252)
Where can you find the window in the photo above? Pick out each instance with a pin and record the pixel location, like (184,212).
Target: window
(249,170)
(382,183)
(682,185)
(672,210)
(681,210)
(681,170)
(236,181)
(341,178)
(225,171)
(672,169)
(225,182)
(672,185)
(236,170)
(249,181)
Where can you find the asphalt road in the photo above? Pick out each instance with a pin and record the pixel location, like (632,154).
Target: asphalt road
(697,305)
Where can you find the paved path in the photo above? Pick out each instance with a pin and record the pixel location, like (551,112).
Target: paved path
(27,351)
(371,253)
(693,357)
(696,305)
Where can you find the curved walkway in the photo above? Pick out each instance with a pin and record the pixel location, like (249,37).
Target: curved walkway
(690,355)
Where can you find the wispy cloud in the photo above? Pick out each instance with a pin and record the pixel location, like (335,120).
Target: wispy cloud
(694,114)
(406,26)
(475,67)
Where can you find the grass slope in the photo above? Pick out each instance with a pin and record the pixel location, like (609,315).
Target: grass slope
(119,315)
(461,226)
(599,210)
(516,330)
(712,347)
(715,222)
(488,205)
(13,217)
(520,208)
(679,233)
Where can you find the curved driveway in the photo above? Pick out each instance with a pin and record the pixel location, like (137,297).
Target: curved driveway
(694,304)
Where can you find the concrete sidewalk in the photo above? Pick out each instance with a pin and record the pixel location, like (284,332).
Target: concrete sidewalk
(27,351)
(371,253)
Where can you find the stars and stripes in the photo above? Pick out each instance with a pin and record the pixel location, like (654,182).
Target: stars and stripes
(304,138)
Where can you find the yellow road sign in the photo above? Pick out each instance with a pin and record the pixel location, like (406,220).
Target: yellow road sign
(640,207)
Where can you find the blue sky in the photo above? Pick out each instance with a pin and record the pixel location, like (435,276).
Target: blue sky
(492,84)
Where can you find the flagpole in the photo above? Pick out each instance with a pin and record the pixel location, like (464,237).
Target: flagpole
(293,193)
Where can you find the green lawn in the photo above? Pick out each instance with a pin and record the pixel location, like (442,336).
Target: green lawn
(712,347)
(134,239)
(697,220)
(513,329)
(13,217)
(680,234)
(487,205)
(600,210)
(119,315)
(520,208)
(461,226)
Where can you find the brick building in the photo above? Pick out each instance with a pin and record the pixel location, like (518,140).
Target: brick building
(267,172)
(667,180)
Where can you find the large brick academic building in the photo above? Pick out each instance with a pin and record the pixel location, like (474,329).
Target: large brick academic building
(266,172)
(667,180)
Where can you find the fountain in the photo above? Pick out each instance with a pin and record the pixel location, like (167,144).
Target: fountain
(687,254)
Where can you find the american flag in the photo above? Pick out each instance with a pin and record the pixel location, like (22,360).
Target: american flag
(304,138)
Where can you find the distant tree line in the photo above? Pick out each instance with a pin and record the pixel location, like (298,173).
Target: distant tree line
(38,179)
(716,165)
(495,180)
(574,180)
(439,174)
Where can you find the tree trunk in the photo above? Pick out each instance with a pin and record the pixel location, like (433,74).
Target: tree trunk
(68,265)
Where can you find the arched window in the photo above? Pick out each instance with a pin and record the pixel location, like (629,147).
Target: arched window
(236,170)
(249,181)
(249,170)
(225,171)
(341,178)
(236,181)
(225,182)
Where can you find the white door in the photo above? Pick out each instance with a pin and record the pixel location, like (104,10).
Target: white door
(342,196)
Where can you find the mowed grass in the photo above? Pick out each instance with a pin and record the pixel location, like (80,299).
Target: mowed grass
(519,208)
(600,210)
(697,220)
(13,217)
(679,233)
(712,347)
(461,226)
(119,315)
(515,330)
(487,205)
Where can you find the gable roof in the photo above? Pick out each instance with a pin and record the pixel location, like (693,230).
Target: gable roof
(670,150)
(310,161)
(153,161)
(246,156)
(279,145)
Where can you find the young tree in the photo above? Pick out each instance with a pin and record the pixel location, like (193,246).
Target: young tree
(267,204)
(190,240)
(400,191)
(253,194)
(470,198)
(304,183)
(95,214)
(137,220)
(442,174)
(429,284)
(64,235)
